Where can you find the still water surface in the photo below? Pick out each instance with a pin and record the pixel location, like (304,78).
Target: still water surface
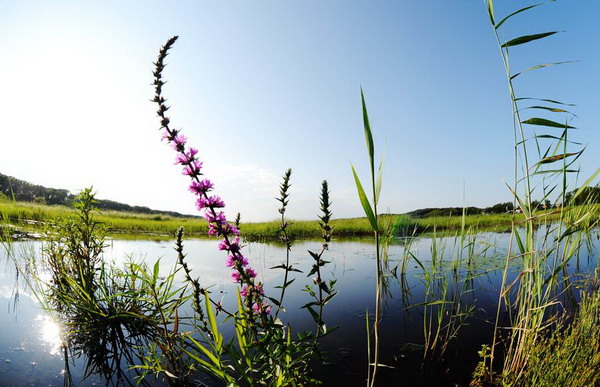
(30,351)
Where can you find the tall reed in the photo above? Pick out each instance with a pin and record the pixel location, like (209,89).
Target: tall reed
(372,216)
(543,252)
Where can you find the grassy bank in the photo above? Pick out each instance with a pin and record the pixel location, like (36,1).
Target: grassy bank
(33,217)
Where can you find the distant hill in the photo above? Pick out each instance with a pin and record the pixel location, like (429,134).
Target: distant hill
(24,191)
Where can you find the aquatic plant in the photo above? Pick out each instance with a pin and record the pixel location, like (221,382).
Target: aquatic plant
(373,218)
(543,252)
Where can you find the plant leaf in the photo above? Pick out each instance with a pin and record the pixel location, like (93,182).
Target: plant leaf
(544,100)
(550,109)
(364,201)
(368,134)
(545,122)
(490,9)
(541,66)
(587,183)
(527,38)
(517,12)
(551,159)
(379,180)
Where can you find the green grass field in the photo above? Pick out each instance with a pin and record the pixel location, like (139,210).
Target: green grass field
(34,217)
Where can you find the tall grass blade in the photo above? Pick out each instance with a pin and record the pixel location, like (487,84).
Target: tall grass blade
(545,122)
(552,159)
(490,9)
(378,181)
(544,100)
(364,201)
(368,134)
(527,38)
(586,184)
(518,12)
(541,67)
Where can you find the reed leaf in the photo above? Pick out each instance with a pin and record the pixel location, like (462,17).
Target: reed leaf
(545,122)
(541,67)
(517,12)
(378,181)
(527,38)
(552,159)
(544,100)
(364,201)
(368,134)
(490,9)
(586,184)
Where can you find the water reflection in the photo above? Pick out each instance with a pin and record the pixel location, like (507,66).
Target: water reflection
(50,334)
(28,336)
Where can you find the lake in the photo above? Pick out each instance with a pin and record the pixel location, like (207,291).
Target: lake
(30,350)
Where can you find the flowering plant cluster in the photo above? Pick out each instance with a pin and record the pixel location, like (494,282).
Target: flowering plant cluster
(211,205)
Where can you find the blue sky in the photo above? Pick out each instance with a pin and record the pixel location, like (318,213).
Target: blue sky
(262,86)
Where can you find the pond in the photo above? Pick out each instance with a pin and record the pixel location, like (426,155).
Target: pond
(30,344)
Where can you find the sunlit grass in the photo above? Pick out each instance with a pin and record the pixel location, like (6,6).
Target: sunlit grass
(128,225)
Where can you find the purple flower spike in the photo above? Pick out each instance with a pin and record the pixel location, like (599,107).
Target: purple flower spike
(179,142)
(237,277)
(230,261)
(261,308)
(258,288)
(250,272)
(244,291)
(216,218)
(243,260)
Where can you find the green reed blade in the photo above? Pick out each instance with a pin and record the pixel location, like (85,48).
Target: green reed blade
(552,159)
(586,184)
(517,12)
(490,9)
(379,180)
(541,66)
(527,38)
(545,122)
(544,100)
(364,201)
(551,109)
(368,134)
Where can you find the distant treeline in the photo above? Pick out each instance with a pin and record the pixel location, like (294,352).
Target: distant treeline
(24,191)
(588,195)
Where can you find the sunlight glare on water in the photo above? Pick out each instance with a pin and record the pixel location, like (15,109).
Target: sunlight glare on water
(49,333)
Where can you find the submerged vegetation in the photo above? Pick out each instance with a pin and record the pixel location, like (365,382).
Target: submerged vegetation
(129,324)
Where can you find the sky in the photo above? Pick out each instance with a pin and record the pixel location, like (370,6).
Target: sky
(259,87)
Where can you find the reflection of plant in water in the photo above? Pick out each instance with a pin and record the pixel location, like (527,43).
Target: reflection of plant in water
(448,289)
(108,314)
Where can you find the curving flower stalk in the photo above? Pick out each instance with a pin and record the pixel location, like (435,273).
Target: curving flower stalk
(210,205)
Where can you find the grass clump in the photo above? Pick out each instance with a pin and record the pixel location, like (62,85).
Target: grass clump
(569,356)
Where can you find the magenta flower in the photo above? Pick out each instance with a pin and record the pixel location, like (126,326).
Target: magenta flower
(192,169)
(179,142)
(186,158)
(209,205)
(263,307)
(209,202)
(230,261)
(200,188)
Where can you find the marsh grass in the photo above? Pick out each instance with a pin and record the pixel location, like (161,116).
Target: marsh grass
(31,217)
(543,162)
